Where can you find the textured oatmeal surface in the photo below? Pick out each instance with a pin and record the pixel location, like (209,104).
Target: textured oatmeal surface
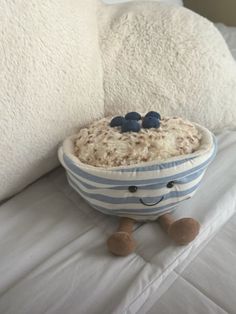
(103,146)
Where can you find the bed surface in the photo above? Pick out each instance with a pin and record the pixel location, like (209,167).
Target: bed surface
(208,284)
(53,252)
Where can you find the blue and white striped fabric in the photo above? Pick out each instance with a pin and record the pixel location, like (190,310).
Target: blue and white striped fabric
(107,189)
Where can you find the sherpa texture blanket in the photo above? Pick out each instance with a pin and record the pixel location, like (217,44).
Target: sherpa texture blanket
(168,58)
(50,83)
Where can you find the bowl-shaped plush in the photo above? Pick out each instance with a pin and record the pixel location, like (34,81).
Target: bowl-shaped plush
(142,191)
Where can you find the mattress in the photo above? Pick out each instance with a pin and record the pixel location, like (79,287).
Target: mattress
(53,253)
(208,283)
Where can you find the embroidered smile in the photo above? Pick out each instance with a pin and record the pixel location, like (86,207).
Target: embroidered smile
(153,204)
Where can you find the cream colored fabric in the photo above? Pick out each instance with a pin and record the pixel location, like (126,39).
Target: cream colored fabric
(154,56)
(50,83)
(169,59)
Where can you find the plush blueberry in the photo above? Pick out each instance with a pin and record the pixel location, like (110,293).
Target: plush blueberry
(153,114)
(130,126)
(133,116)
(117,121)
(150,122)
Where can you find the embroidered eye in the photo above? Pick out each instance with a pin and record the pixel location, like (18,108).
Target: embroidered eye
(170,184)
(133,188)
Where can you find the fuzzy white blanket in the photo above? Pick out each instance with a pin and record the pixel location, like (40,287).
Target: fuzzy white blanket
(167,58)
(50,83)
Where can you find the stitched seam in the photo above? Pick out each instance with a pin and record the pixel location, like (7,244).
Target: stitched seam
(42,262)
(182,253)
(149,262)
(202,293)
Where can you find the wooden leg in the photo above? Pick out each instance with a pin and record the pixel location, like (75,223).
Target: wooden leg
(121,242)
(182,231)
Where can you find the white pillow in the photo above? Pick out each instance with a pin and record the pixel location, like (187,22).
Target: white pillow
(51,82)
(167,59)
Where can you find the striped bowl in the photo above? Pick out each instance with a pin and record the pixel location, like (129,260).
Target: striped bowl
(108,189)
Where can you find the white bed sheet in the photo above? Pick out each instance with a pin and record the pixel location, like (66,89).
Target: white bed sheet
(54,257)
(208,284)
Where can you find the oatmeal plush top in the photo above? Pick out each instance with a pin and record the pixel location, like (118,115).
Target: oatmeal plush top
(103,145)
(163,159)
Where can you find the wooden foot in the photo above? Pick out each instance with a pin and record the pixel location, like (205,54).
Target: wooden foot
(182,231)
(121,242)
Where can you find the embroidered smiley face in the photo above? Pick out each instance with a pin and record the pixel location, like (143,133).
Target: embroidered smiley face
(133,189)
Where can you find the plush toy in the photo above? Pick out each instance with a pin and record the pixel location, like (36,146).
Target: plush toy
(139,167)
